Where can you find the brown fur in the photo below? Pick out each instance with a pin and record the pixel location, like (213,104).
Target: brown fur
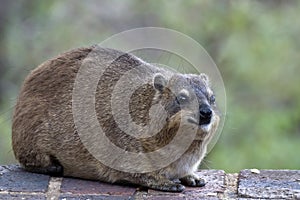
(45,139)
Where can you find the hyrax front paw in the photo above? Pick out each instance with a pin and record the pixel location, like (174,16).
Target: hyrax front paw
(193,181)
(170,187)
(158,182)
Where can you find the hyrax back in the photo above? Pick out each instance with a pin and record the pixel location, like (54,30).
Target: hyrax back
(45,138)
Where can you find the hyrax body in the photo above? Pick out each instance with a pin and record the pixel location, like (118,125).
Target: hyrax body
(45,138)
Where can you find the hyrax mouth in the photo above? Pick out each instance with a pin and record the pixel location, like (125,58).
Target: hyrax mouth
(204,127)
(205,118)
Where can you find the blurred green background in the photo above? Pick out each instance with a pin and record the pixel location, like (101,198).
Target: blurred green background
(255,44)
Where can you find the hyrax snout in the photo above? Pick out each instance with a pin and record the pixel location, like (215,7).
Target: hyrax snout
(166,107)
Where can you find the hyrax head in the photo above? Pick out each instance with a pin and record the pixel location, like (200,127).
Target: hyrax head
(189,100)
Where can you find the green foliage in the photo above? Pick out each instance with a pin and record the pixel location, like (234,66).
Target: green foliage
(6,155)
(254,43)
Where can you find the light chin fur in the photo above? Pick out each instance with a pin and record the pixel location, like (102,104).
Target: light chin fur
(206,127)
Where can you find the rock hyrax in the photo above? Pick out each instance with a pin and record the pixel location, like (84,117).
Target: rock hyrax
(45,138)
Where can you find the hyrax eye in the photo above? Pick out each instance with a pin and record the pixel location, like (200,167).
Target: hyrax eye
(212,99)
(182,98)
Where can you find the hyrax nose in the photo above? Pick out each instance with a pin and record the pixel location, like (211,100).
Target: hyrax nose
(205,114)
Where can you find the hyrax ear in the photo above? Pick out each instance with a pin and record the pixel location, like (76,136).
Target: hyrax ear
(159,82)
(205,78)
